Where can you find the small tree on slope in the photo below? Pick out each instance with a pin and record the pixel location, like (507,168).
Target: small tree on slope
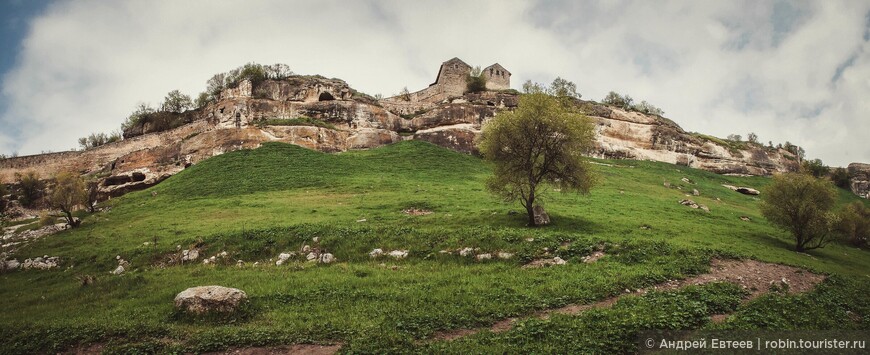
(69,192)
(801,204)
(542,141)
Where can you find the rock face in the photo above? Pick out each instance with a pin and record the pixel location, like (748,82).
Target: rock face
(859,179)
(328,115)
(208,299)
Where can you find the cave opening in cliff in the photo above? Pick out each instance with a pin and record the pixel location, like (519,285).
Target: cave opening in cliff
(326,97)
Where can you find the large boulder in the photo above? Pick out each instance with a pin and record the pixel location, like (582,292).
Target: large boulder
(541,216)
(210,299)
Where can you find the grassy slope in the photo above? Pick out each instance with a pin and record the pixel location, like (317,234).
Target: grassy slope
(255,204)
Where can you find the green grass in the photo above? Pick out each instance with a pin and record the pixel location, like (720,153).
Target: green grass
(257,203)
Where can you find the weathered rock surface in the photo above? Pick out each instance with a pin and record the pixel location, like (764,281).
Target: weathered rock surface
(241,118)
(209,299)
(541,216)
(859,179)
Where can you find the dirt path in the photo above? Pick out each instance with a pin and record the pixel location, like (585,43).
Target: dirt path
(284,350)
(754,276)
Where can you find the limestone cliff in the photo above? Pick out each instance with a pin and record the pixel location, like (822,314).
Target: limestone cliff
(327,115)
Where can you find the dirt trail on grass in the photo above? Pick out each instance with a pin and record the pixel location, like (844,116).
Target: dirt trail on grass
(288,350)
(753,276)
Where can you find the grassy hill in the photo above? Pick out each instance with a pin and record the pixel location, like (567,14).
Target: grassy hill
(255,204)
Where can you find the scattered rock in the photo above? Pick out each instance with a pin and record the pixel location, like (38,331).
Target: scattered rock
(118,270)
(593,257)
(745,219)
(545,262)
(361,220)
(704,208)
(208,299)
(466,251)
(376,253)
(689,203)
(667,184)
(541,216)
(315,239)
(416,212)
(306,249)
(505,255)
(282,258)
(730,187)
(748,191)
(189,255)
(9,264)
(695,192)
(326,258)
(311,256)
(485,256)
(686,180)
(399,254)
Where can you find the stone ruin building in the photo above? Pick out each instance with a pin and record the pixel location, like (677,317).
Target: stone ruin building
(450,82)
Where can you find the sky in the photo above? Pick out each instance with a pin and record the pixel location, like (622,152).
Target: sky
(795,71)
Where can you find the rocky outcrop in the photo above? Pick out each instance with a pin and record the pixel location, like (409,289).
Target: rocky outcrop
(859,179)
(210,299)
(327,115)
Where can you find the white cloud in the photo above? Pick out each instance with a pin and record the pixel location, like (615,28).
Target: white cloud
(717,68)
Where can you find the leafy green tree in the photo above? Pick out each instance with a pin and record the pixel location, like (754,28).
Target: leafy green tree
(142,110)
(815,167)
(648,108)
(541,142)
(176,102)
(800,204)
(530,87)
(840,177)
(564,88)
(69,193)
(97,139)
(475,82)
(202,100)
(854,223)
(753,138)
(30,188)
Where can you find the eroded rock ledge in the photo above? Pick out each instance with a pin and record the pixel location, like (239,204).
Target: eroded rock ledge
(327,115)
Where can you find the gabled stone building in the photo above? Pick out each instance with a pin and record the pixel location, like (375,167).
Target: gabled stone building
(450,82)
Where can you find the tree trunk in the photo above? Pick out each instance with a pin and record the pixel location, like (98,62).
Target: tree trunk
(69,219)
(531,213)
(530,207)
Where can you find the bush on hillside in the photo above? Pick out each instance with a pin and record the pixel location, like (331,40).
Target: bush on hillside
(540,143)
(801,204)
(854,223)
(69,192)
(840,177)
(815,167)
(97,139)
(475,82)
(30,188)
